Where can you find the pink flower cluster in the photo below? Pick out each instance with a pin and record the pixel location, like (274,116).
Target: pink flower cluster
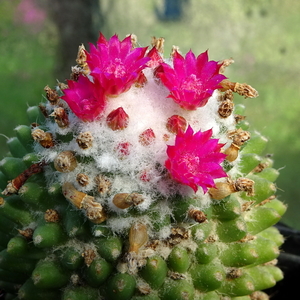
(115,66)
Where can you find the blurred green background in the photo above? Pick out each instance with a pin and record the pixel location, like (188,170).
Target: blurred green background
(262,36)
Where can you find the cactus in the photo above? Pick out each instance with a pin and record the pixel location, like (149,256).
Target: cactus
(139,179)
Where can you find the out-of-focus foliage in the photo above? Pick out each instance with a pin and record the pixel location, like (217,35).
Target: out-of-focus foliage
(261,35)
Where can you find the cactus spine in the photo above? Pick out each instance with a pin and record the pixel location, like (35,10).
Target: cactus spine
(139,180)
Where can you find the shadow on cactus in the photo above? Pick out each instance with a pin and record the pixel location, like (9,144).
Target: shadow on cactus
(139,179)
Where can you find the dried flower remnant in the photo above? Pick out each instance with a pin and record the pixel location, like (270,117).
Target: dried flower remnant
(242,89)
(158,43)
(192,80)
(81,60)
(82,179)
(93,210)
(65,162)
(85,98)
(45,139)
(103,184)
(224,189)
(14,185)
(51,95)
(85,140)
(195,159)
(239,137)
(61,117)
(198,215)
(115,64)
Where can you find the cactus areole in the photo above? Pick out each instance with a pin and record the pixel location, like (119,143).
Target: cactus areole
(139,179)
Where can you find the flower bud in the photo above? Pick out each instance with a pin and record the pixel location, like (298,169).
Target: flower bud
(147,137)
(117,119)
(176,123)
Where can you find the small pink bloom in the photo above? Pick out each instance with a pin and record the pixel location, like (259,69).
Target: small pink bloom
(85,98)
(117,119)
(116,64)
(192,80)
(195,159)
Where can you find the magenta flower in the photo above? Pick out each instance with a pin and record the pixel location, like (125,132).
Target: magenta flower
(192,80)
(116,64)
(85,98)
(195,159)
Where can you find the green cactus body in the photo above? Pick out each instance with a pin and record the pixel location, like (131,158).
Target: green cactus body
(140,192)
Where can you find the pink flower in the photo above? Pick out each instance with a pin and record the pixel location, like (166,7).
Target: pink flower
(192,80)
(195,159)
(85,98)
(116,64)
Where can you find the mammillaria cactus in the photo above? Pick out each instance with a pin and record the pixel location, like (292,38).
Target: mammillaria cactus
(139,179)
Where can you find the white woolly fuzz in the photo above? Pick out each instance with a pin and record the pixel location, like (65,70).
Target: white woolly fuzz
(120,156)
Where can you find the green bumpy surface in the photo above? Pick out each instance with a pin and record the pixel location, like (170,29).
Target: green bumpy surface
(231,255)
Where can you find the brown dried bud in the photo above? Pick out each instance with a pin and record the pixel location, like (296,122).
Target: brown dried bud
(81,60)
(85,140)
(125,200)
(15,184)
(82,179)
(45,139)
(198,215)
(51,215)
(51,95)
(158,43)
(65,162)
(239,118)
(241,137)
(226,108)
(224,64)
(103,184)
(61,117)
(242,89)
(93,210)
(138,236)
